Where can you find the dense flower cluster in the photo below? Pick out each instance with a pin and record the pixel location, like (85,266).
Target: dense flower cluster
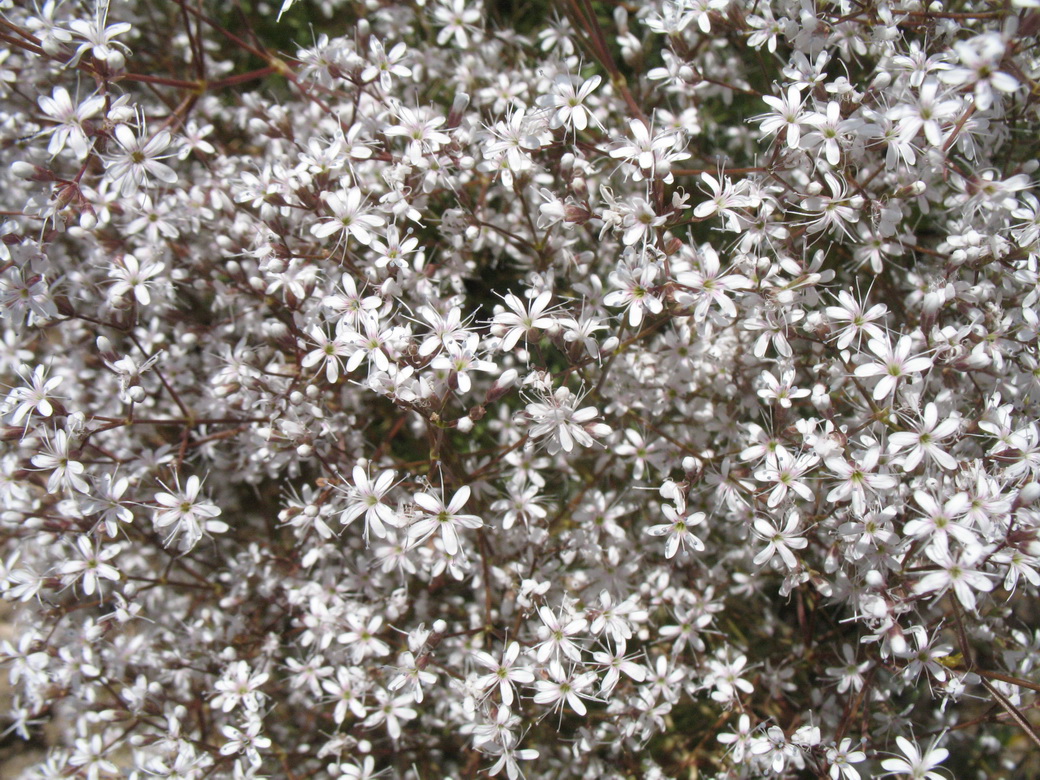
(407,388)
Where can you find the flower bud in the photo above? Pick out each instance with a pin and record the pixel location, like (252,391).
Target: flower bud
(576,214)
(30,172)
(1027,494)
(505,380)
(458,108)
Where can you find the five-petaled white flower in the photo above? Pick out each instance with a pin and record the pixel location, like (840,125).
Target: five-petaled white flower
(677,529)
(365,497)
(567,101)
(522,319)
(137,159)
(503,673)
(956,571)
(444,517)
(92,566)
(556,418)
(925,441)
(892,364)
(780,541)
(564,687)
(186,513)
(917,764)
(69,118)
(350,216)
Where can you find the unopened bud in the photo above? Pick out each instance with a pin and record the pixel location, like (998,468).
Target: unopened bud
(576,214)
(66,194)
(881,81)
(115,60)
(896,640)
(1027,494)
(505,380)
(458,108)
(64,306)
(24,170)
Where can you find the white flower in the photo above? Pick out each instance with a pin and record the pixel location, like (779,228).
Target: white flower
(841,757)
(556,418)
(564,687)
(831,133)
(93,566)
(857,322)
(386,64)
(567,101)
(504,673)
(444,517)
(366,498)
(330,350)
(70,118)
(522,320)
(857,478)
(246,740)
(781,541)
(636,292)
(678,531)
(34,398)
(980,60)
(458,361)
(925,440)
(131,276)
(190,515)
(648,152)
(783,390)
(894,363)
(725,198)
(391,710)
(917,765)
(556,632)
(67,473)
(137,159)
(956,572)
(457,21)
(362,637)
(787,472)
(97,37)
(349,217)
(239,685)
(708,284)
(787,115)
(739,739)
